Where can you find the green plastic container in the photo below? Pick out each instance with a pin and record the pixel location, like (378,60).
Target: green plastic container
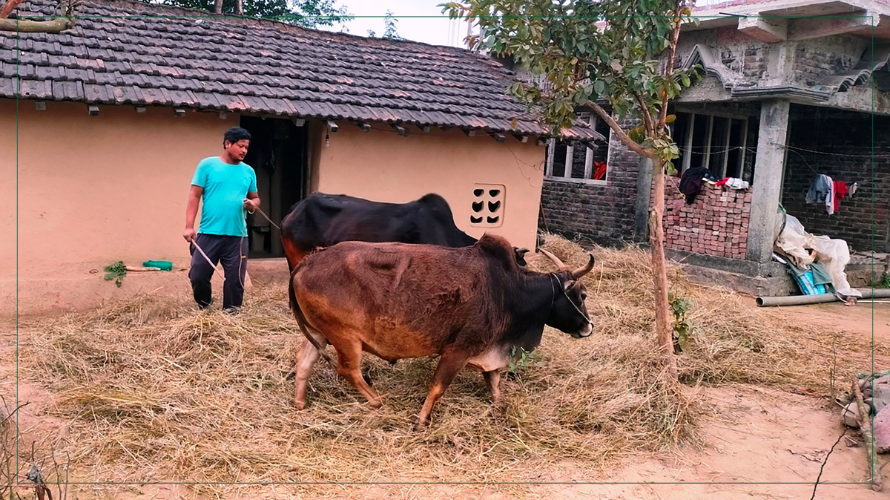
(163,265)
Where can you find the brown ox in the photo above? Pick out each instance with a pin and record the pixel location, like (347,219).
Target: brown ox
(472,306)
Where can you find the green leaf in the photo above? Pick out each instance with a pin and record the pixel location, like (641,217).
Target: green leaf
(685,78)
(599,87)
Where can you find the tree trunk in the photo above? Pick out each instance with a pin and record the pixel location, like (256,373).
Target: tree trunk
(865,428)
(57,25)
(239,11)
(659,271)
(217,7)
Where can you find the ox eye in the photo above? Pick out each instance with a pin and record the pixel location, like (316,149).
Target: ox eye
(584,296)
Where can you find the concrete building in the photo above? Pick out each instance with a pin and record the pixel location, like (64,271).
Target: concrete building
(792,89)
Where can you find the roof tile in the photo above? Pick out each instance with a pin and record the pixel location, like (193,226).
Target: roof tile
(129,52)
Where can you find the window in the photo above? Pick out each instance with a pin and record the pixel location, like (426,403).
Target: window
(487,205)
(578,163)
(715,142)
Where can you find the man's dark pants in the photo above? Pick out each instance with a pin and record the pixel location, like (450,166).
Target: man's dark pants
(231,251)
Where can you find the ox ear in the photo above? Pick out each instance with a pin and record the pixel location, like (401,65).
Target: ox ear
(568,285)
(520,255)
(581,271)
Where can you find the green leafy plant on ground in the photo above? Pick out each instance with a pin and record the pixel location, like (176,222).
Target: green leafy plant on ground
(521,359)
(682,328)
(116,272)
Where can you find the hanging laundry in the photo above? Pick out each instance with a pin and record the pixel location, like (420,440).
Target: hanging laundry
(820,192)
(600,172)
(829,200)
(840,191)
(691,182)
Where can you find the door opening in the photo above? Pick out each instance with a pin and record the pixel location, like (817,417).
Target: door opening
(278,155)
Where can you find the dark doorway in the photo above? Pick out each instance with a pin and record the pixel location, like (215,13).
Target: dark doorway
(278,155)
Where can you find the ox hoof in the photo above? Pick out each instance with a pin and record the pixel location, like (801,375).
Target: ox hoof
(421,426)
(375,403)
(300,405)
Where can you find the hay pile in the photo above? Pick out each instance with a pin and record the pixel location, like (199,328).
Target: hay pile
(157,391)
(732,341)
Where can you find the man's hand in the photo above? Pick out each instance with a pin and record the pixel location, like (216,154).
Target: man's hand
(189,234)
(249,205)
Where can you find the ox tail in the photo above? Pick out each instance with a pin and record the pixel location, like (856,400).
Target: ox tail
(304,323)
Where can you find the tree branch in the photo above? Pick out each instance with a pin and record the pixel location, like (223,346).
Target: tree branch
(669,71)
(627,141)
(8,7)
(57,25)
(647,117)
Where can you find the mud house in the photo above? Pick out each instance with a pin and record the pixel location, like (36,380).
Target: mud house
(791,90)
(108,120)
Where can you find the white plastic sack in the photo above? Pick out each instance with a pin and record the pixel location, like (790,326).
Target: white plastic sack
(832,254)
(792,241)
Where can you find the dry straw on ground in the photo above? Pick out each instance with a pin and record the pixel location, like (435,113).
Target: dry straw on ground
(158,391)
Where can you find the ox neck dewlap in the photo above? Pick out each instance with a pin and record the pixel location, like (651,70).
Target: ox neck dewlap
(562,289)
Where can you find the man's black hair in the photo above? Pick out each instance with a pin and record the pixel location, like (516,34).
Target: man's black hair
(235,134)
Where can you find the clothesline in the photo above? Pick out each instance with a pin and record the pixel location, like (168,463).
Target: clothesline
(795,149)
(846,155)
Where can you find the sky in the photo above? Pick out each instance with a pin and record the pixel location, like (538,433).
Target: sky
(435,28)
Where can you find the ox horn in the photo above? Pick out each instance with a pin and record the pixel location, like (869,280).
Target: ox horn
(581,271)
(559,264)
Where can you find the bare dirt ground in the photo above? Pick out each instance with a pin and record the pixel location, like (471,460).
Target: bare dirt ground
(752,435)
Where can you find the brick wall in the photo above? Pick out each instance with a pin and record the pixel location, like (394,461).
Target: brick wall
(827,56)
(603,213)
(844,142)
(715,224)
(755,61)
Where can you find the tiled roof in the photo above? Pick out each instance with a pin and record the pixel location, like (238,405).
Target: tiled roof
(132,53)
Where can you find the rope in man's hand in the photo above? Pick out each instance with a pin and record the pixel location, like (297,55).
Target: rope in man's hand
(258,209)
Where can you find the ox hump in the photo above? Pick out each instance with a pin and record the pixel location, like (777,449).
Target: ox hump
(498,248)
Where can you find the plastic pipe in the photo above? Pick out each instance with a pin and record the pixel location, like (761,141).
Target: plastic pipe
(797,300)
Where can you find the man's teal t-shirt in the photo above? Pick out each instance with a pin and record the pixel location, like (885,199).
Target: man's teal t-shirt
(225,187)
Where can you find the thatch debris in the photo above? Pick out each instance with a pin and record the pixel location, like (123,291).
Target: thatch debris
(165,392)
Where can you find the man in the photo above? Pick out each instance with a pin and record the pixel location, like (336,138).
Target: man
(227,189)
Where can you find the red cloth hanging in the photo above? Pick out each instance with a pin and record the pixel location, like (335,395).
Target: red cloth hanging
(600,172)
(840,191)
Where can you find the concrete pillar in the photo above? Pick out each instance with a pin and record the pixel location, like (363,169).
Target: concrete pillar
(767,186)
(644,198)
